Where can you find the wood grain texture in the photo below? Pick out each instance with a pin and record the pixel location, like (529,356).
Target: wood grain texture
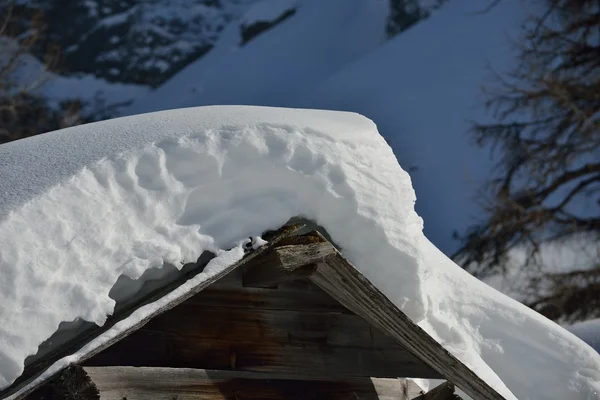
(298,295)
(33,371)
(117,383)
(293,257)
(282,350)
(287,263)
(338,277)
(299,343)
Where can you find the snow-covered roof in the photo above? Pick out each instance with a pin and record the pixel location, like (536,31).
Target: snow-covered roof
(328,59)
(82,206)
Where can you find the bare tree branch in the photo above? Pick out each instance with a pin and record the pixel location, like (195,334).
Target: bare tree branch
(547,137)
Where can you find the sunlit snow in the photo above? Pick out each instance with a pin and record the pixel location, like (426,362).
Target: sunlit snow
(85,205)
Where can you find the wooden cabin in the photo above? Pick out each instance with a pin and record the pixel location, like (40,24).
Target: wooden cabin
(292,320)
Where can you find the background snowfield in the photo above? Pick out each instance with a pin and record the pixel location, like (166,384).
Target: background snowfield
(130,194)
(274,68)
(422,87)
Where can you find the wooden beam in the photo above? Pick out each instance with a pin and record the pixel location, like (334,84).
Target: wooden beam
(338,277)
(303,344)
(33,371)
(116,383)
(298,295)
(287,263)
(445,391)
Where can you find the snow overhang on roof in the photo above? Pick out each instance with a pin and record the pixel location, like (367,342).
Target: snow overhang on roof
(83,206)
(274,262)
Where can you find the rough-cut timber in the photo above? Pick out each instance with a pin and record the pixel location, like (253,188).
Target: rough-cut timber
(293,342)
(445,391)
(288,263)
(34,370)
(117,383)
(300,341)
(338,277)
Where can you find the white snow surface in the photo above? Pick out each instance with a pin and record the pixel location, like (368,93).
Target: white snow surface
(31,75)
(267,11)
(85,205)
(589,332)
(321,38)
(423,87)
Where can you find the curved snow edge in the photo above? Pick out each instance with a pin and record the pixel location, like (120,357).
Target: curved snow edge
(116,198)
(181,183)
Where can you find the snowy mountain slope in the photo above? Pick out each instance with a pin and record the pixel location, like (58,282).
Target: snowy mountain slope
(147,42)
(96,94)
(122,196)
(129,41)
(317,41)
(421,87)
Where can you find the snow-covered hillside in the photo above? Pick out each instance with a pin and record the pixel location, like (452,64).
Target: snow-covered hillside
(147,42)
(421,87)
(122,196)
(273,68)
(424,88)
(29,75)
(141,42)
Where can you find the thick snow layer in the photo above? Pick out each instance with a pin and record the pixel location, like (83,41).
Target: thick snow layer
(589,332)
(422,87)
(267,11)
(85,205)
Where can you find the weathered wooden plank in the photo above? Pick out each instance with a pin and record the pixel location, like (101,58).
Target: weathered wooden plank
(338,277)
(342,281)
(296,256)
(280,326)
(117,383)
(293,295)
(200,335)
(311,299)
(300,361)
(288,263)
(445,391)
(270,275)
(33,371)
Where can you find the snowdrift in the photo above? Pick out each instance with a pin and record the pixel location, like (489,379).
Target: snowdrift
(82,206)
(333,55)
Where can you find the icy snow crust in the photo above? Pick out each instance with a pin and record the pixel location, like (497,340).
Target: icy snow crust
(84,205)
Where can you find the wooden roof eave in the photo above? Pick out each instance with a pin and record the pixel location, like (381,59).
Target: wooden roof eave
(34,370)
(342,281)
(322,264)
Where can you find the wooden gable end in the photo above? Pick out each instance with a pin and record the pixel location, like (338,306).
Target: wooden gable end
(295,331)
(294,314)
